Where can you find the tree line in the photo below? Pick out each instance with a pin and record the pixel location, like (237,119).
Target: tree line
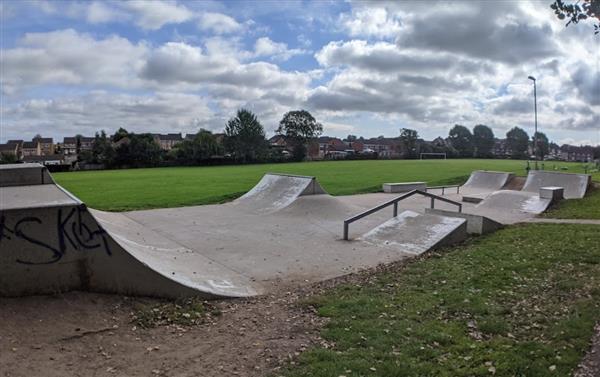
(479,143)
(244,141)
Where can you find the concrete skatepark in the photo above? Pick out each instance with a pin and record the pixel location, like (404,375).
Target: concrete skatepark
(285,231)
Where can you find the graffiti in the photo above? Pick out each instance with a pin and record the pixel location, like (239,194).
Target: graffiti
(71,232)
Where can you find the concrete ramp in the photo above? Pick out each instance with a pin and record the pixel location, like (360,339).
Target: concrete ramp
(514,201)
(276,191)
(575,185)
(414,233)
(486,181)
(24,175)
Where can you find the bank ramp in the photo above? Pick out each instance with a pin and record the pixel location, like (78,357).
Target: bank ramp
(51,242)
(486,181)
(277,191)
(575,185)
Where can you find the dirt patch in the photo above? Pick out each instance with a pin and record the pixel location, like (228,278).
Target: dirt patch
(515,183)
(87,334)
(590,365)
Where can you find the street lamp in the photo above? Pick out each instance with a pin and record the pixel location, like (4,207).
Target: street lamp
(535,135)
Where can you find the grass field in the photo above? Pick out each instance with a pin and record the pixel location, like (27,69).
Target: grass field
(520,302)
(120,190)
(586,208)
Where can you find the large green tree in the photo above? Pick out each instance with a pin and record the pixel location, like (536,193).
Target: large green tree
(517,141)
(483,141)
(408,142)
(543,145)
(461,140)
(299,127)
(245,137)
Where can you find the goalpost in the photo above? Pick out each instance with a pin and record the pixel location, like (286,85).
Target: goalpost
(440,155)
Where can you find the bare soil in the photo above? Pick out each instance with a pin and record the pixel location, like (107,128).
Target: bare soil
(88,334)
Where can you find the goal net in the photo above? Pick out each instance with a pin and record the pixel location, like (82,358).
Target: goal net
(439,156)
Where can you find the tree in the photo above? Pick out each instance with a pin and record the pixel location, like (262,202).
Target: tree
(299,127)
(8,158)
(245,137)
(461,139)
(141,151)
(408,142)
(483,141)
(351,138)
(517,142)
(198,150)
(542,147)
(578,11)
(120,134)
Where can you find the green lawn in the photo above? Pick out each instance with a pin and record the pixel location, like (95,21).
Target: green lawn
(586,208)
(118,190)
(520,302)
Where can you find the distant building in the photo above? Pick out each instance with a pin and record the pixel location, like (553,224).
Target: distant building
(69,145)
(167,141)
(46,145)
(579,154)
(53,159)
(501,149)
(31,148)
(384,147)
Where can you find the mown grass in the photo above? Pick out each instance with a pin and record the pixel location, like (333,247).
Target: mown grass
(120,190)
(586,208)
(520,302)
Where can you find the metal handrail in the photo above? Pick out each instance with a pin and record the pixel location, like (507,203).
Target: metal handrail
(394,202)
(444,188)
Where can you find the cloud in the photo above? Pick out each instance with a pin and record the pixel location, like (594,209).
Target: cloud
(371,21)
(493,31)
(153,15)
(265,47)
(69,58)
(218,23)
(102,110)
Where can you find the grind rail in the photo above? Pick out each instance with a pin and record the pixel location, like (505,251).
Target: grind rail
(394,202)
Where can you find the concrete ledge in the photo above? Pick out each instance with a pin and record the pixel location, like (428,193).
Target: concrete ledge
(404,186)
(475,224)
(473,198)
(553,193)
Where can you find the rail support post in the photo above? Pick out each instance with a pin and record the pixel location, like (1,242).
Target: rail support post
(432,203)
(345,231)
(395,209)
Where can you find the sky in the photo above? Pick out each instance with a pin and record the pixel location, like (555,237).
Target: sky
(362,68)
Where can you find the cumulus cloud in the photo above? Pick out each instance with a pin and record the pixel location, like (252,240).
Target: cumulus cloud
(265,47)
(155,14)
(218,23)
(67,57)
(371,21)
(102,110)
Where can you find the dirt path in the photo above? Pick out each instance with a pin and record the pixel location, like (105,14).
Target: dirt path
(85,334)
(564,221)
(590,365)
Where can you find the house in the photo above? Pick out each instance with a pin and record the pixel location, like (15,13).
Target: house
(384,147)
(31,148)
(501,149)
(69,145)
(573,153)
(167,141)
(46,145)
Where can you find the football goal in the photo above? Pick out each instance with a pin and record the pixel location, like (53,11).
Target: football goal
(433,155)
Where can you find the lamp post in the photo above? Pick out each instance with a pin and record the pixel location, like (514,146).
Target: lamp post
(535,135)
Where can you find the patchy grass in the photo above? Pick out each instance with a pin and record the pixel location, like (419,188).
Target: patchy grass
(122,190)
(520,302)
(586,208)
(187,312)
